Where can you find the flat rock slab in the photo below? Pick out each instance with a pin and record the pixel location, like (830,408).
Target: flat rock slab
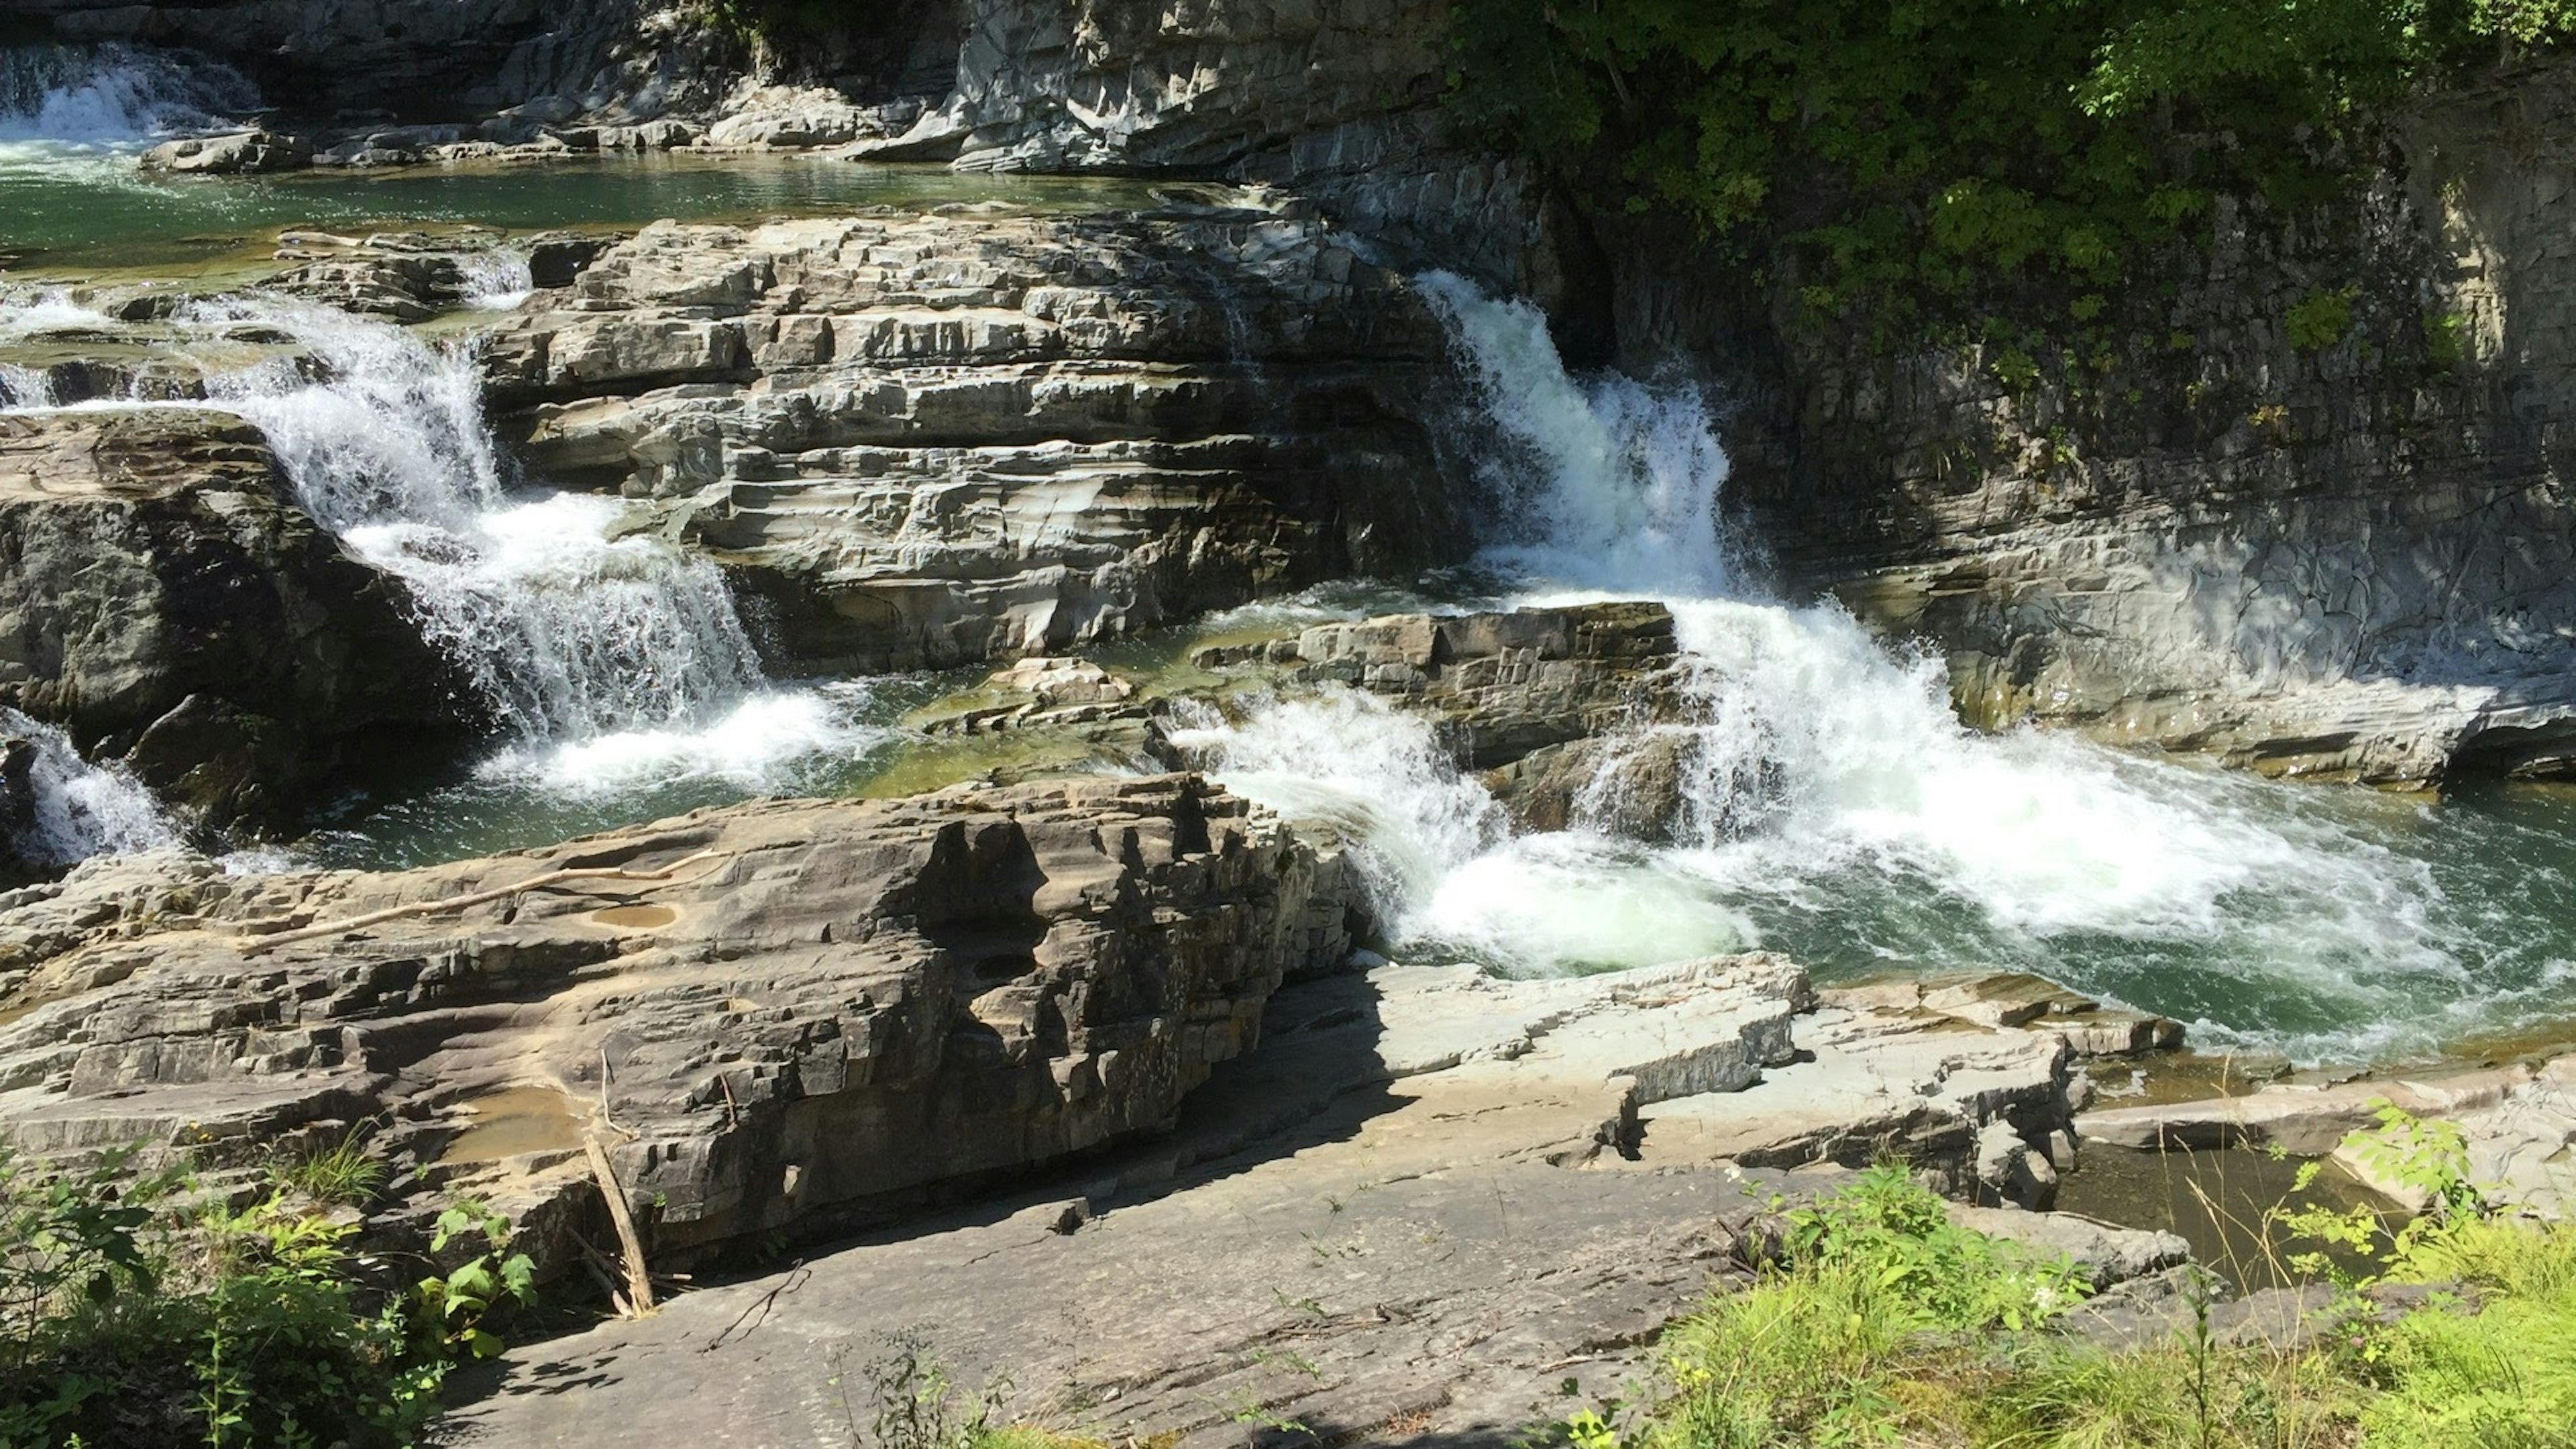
(1407,1217)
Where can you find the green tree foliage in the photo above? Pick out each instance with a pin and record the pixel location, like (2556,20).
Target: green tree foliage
(1917,155)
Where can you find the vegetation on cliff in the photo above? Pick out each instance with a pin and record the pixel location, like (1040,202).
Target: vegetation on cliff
(1933,158)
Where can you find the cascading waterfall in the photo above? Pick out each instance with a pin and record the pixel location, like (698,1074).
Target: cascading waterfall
(567,631)
(62,809)
(59,100)
(610,659)
(1835,807)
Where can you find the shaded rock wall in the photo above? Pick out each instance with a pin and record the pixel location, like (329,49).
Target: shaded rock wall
(2349,560)
(449,60)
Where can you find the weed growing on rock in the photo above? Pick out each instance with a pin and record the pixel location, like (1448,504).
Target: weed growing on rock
(134,1314)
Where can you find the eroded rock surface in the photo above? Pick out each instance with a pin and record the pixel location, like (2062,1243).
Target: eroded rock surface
(168,603)
(1497,686)
(2517,1122)
(1405,1218)
(801,1008)
(926,440)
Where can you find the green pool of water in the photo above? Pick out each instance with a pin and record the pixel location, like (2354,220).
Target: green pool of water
(94,216)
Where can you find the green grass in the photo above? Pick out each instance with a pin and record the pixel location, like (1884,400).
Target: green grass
(1878,1322)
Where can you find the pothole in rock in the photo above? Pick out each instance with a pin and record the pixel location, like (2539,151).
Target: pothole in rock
(636,918)
(513,1122)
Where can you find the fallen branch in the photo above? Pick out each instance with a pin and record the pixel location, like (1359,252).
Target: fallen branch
(639,1279)
(253,945)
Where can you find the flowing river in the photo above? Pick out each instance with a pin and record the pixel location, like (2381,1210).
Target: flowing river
(1835,807)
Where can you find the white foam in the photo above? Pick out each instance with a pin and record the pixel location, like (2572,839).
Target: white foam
(768,742)
(497,280)
(80,809)
(568,627)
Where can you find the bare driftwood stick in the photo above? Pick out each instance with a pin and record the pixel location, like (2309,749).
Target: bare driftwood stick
(639,1280)
(253,945)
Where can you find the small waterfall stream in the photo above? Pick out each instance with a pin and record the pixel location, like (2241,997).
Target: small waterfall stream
(67,106)
(566,630)
(610,659)
(1834,806)
(59,809)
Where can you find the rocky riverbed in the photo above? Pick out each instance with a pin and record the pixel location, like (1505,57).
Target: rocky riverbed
(1148,781)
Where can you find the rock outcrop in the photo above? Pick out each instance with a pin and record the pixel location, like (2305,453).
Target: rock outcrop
(239,153)
(2517,1124)
(1497,687)
(1340,100)
(928,440)
(1406,1218)
(779,1014)
(168,603)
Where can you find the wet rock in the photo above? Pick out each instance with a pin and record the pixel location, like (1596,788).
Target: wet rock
(244,152)
(168,602)
(931,440)
(1497,686)
(782,1016)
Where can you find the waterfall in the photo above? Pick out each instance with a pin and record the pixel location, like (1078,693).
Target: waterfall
(59,809)
(61,98)
(566,628)
(1833,804)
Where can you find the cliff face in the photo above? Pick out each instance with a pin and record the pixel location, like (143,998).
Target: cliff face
(2343,552)
(2344,555)
(2340,552)
(448,60)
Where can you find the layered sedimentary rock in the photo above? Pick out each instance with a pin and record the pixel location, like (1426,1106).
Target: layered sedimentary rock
(1406,1218)
(926,440)
(1497,687)
(774,1013)
(167,602)
(1341,100)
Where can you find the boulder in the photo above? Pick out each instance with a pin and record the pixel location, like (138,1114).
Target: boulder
(779,1016)
(240,153)
(930,440)
(168,602)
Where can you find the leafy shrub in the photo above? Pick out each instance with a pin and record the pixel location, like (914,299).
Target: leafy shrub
(1868,1280)
(129,1316)
(1884,1323)
(2319,320)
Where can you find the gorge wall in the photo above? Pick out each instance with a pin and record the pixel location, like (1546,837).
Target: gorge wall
(2341,555)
